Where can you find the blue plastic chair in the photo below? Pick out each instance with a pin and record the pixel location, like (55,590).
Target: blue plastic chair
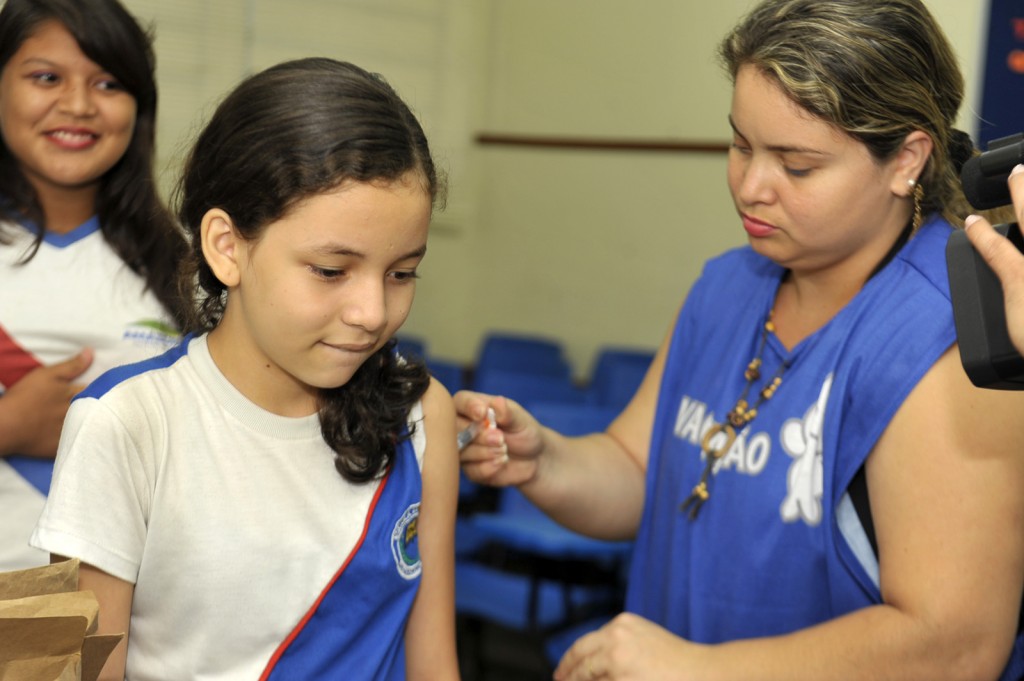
(526,388)
(451,374)
(572,418)
(617,374)
(525,353)
(534,575)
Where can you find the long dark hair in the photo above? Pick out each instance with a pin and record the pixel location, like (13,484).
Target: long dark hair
(293,131)
(133,219)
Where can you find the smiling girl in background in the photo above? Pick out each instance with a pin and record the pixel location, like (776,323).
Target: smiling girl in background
(277,495)
(87,249)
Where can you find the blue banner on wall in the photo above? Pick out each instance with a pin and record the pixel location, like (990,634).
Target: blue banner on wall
(1002,100)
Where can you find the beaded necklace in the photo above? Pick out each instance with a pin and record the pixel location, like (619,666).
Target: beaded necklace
(738,417)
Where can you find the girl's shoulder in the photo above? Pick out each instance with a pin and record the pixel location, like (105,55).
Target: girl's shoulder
(435,409)
(436,412)
(122,375)
(436,398)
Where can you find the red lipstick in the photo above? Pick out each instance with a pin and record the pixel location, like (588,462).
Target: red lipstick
(757,228)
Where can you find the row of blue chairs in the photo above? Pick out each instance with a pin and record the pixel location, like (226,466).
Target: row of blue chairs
(531,368)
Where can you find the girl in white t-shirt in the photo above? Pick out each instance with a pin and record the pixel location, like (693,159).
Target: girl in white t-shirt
(88,251)
(275,498)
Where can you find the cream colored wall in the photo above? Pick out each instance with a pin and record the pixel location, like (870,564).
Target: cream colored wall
(964,24)
(600,247)
(589,247)
(201,51)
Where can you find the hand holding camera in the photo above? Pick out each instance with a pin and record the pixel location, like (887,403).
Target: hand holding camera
(986,270)
(1004,259)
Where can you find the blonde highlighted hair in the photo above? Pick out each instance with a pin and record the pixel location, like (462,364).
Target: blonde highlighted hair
(876,70)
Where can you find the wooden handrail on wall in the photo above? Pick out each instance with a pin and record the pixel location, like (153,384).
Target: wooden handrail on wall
(607,144)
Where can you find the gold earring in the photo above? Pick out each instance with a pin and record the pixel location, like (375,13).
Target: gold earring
(918,193)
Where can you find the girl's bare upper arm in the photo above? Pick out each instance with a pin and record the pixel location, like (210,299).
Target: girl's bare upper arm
(430,634)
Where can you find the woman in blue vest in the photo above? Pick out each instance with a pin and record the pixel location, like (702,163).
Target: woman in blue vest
(818,360)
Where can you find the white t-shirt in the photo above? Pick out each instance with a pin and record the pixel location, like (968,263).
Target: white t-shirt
(74,293)
(228,519)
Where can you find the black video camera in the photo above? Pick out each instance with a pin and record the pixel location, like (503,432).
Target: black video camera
(988,356)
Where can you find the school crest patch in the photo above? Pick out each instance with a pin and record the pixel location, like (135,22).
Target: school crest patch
(405,543)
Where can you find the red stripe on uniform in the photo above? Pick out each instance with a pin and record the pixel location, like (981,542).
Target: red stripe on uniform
(15,361)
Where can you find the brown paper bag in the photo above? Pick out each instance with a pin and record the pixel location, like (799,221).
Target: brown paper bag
(70,604)
(49,579)
(45,626)
(55,669)
(95,651)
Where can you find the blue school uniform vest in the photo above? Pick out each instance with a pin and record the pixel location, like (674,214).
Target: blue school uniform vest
(356,629)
